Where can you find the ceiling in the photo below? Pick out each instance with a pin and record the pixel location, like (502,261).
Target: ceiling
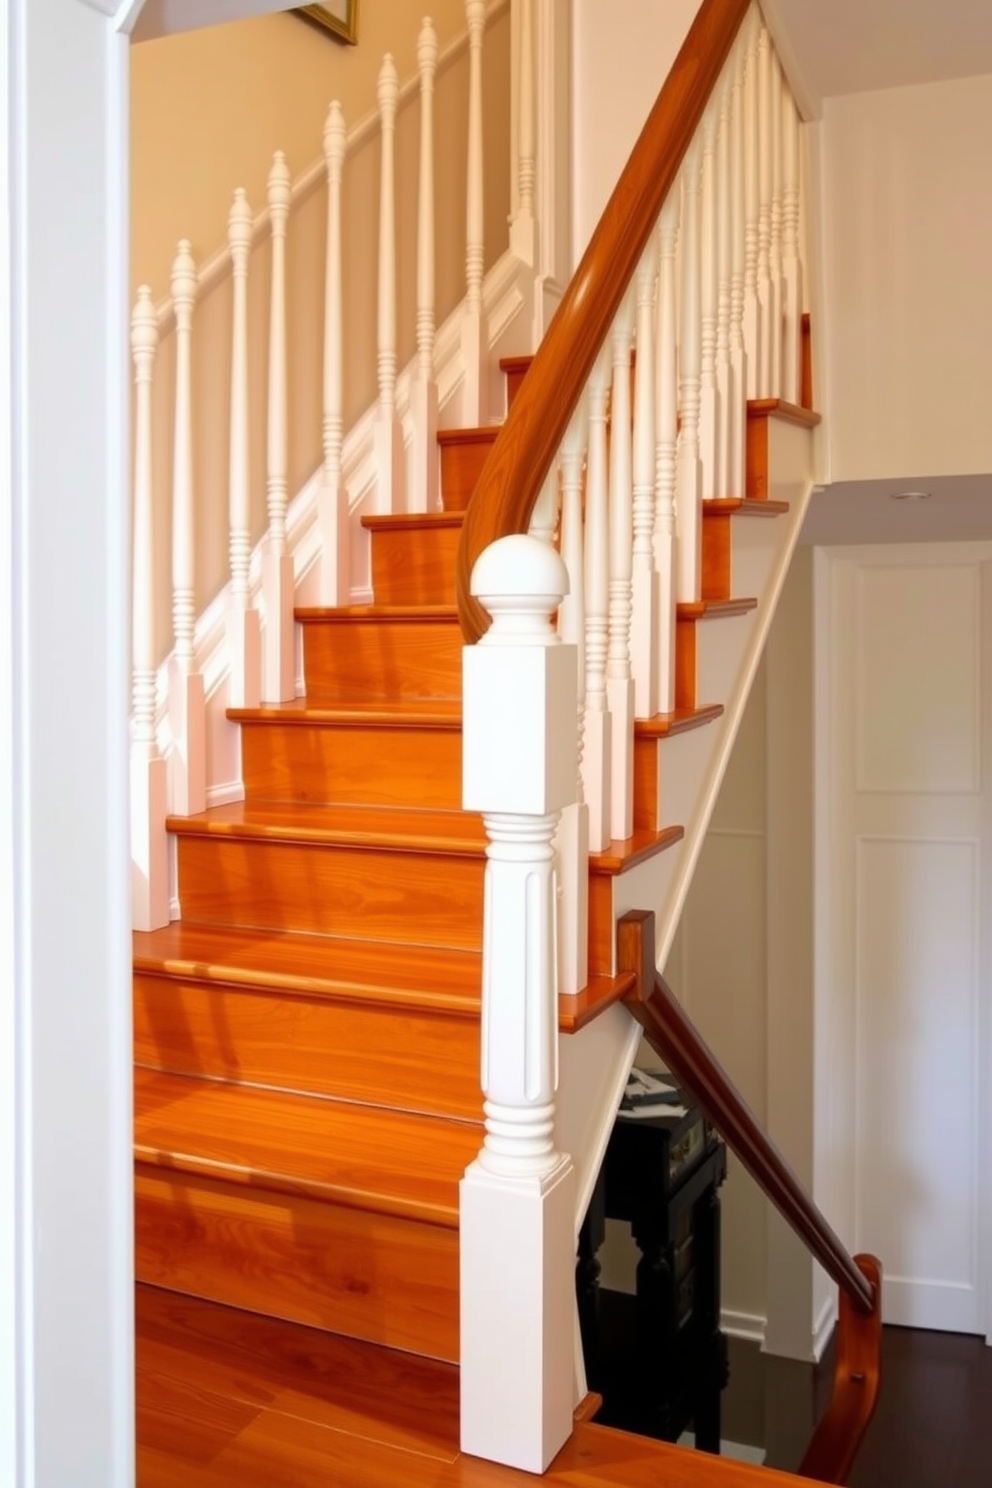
(851,46)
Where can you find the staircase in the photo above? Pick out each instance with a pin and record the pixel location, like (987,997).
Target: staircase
(307,1034)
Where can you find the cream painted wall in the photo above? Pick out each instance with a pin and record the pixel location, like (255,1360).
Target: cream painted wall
(907,215)
(621,53)
(249,88)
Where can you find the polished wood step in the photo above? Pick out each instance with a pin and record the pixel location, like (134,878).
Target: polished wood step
(604,867)
(648,735)
(369,652)
(687,618)
(306,1013)
(394,875)
(413,557)
(372,754)
(759,411)
(718,518)
(514,370)
(463,454)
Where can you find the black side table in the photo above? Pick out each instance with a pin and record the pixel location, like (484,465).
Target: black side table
(658,1358)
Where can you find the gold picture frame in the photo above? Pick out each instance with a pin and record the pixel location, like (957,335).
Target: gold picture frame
(339,17)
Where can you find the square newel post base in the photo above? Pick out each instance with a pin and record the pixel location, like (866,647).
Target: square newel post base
(390,466)
(425,488)
(644,640)
(475,402)
(279,658)
(244,646)
(517,1315)
(149,843)
(335,549)
(187,727)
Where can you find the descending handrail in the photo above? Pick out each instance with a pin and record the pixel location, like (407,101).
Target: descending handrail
(856,1368)
(521,456)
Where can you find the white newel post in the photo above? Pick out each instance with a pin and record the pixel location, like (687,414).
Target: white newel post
(244,638)
(572,836)
(425,490)
(149,772)
(688,466)
(278,661)
(666,446)
(738,356)
(792,268)
(187,719)
(752,209)
(644,575)
(389,452)
(709,418)
(619,682)
(517,1225)
(332,502)
(474,404)
(523,229)
(596,734)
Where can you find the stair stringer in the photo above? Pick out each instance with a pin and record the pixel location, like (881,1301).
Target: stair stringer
(594,1063)
(508,314)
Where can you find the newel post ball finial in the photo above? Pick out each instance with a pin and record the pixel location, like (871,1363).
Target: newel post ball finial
(521,582)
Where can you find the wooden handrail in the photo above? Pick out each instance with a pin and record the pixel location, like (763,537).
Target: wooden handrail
(858,1349)
(673,1036)
(521,457)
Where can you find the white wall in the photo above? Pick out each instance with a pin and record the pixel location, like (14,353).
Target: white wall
(621,54)
(907,215)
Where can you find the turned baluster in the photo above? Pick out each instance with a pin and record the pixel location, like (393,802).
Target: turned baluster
(752,210)
(688,473)
(523,234)
(666,445)
(332,501)
(596,763)
(572,835)
(389,451)
(149,772)
(775,256)
(765,166)
(724,230)
(619,682)
(792,267)
(425,492)
(474,406)
(738,354)
(644,575)
(243,634)
(278,679)
(708,399)
(187,758)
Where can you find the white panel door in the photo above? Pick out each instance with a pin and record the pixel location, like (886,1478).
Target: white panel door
(910,754)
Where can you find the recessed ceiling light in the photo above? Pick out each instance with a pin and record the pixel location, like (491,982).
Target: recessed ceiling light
(909,495)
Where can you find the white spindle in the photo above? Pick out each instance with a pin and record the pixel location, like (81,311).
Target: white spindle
(644,575)
(243,635)
(689,475)
(724,228)
(544,517)
(765,167)
(775,245)
(619,682)
(474,404)
(517,1200)
(666,444)
(332,503)
(752,210)
(572,836)
(186,698)
(596,765)
(792,268)
(738,355)
(149,775)
(708,401)
(425,490)
(523,238)
(278,680)
(389,452)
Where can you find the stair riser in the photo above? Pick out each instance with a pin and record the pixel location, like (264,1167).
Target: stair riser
(415,567)
(371,1276)
(423,1062)
(358,765)
(352,660)
(418,898)
(461,465)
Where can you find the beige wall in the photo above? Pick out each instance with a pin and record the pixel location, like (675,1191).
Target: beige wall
(249,88)
(907,213)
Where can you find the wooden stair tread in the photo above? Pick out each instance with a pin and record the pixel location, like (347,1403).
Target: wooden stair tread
(713,609)
(398,1399)
(779,408)
(361,1157)
(644,843)
(425,977)
(519,363)
(484,435)
(579,1008)
(374,614)
(401,828)
(680,721)
(413,521)
(379,712)
(745,506)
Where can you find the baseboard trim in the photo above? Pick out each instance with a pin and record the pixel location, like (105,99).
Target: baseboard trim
(226,793)
(748,1326)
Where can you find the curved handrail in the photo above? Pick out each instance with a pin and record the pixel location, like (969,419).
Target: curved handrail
(514,473)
